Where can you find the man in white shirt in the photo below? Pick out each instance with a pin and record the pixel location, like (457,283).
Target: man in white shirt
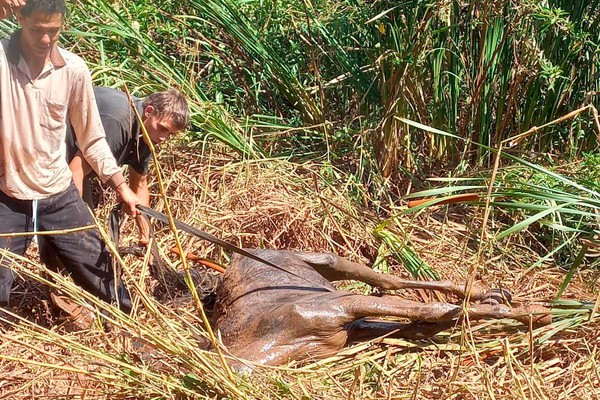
(40,84)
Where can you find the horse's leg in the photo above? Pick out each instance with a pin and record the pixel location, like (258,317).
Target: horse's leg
(367,329)
(334,268)
(358,306)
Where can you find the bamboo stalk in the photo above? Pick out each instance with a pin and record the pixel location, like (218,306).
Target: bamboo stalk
(513,141)
(216,343)
(47,233)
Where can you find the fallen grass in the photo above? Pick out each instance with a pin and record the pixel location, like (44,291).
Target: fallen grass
(275,204)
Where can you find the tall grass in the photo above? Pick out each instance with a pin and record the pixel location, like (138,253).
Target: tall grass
(481,70)
(317,78)
(558,205)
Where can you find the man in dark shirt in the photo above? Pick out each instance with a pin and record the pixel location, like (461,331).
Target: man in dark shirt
(163,114)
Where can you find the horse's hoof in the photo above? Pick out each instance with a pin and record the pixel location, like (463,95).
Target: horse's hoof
(497,296)
(537,315)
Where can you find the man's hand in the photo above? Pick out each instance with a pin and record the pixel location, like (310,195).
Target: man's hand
(126,196)
(124,193)
(8,7)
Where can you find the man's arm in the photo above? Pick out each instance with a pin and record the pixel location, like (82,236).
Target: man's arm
(79,169)
(139,185)
(91,138)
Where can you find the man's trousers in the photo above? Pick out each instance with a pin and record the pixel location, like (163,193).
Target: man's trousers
(83,254)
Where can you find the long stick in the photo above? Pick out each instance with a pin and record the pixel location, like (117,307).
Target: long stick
(512,141)
(217,345)
(46,233)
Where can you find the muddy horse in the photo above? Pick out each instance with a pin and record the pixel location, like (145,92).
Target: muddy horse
(269,316)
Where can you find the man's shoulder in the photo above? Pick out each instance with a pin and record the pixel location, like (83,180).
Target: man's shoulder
(110,94)
(73,61)
(113,103)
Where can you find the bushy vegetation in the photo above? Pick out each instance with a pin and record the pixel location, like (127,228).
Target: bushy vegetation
(331,79)
(340,81)
(365,102)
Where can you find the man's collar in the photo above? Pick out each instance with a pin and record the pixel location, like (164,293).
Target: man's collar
(14,51)
(139,105)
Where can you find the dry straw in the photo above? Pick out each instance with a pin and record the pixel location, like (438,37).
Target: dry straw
(156,353)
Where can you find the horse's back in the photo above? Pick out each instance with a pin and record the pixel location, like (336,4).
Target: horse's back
(252,290)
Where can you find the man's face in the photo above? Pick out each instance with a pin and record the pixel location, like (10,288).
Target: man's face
(158,127)
(39,33)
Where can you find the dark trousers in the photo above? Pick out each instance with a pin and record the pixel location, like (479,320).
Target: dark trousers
(83,254)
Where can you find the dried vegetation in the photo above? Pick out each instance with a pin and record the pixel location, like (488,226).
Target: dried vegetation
(275,204)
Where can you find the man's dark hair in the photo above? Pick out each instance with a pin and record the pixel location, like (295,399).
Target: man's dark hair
(170,104)
(44,7)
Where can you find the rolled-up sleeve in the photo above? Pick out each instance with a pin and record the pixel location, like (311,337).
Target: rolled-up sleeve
(87,125)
